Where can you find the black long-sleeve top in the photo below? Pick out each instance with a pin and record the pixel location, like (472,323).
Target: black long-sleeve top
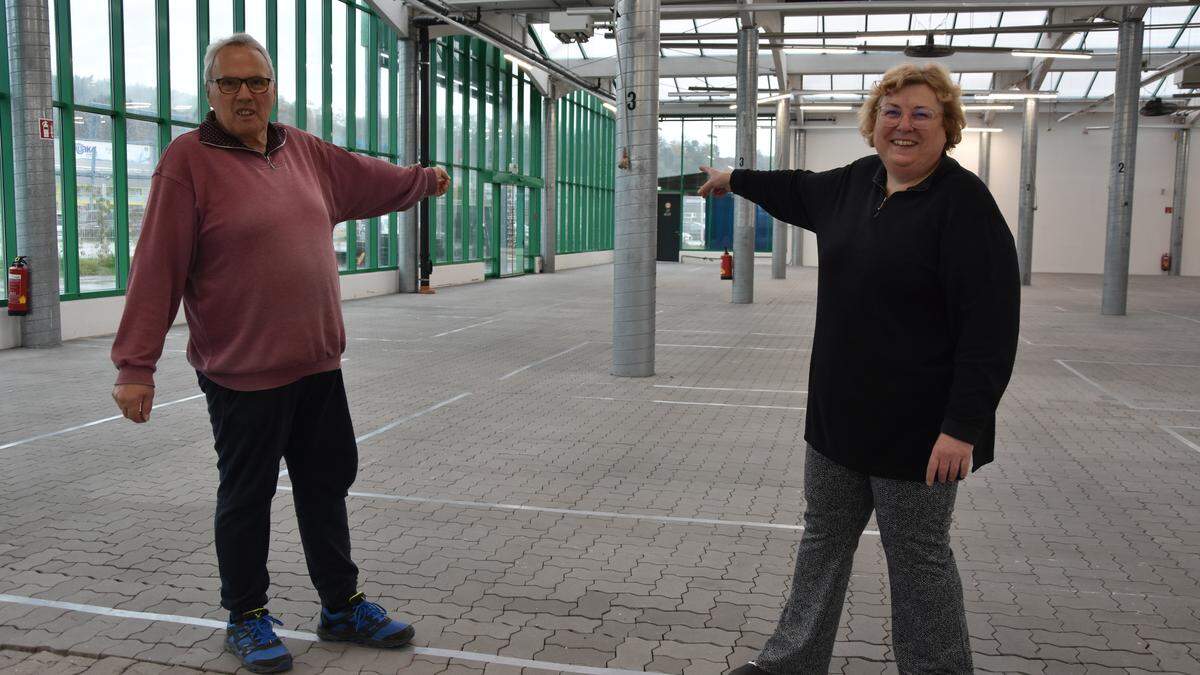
(918,303)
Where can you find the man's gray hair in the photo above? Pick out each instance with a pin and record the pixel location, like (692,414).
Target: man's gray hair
(241,39)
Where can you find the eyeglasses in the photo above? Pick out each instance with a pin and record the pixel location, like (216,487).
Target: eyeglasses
(920,118)
(232,85)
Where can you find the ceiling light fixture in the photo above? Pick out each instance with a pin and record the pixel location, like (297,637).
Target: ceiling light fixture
(826,108)
(987,107)
(982,130)
(1017,95)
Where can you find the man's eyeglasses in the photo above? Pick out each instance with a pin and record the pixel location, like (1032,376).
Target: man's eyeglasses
(920,118)
(232,85)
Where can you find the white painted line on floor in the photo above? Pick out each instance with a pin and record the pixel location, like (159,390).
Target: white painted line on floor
(392,425)
(1136,363)
(764,391)
(92,424)
(1059,308)
(757,349)
(718,405)
(1121,399)
(582,513)
(459,330)
(1177,316)
(453,654)
(731,332)
(1180,437)
(548,358)
(368,339)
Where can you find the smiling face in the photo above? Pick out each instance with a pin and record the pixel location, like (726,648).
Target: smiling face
(242,113)
(909,132)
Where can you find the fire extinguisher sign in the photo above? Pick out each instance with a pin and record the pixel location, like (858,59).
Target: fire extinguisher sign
(46,128)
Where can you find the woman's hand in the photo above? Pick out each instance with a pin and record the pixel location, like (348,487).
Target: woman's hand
(950,460)
(717,184)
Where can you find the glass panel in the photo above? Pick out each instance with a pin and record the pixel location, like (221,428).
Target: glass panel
(362,237)
(89,52)
(455,107)
(1101,40)
(932,21)
(184,68)
(975,20)
(670,139)
(58,198)
(976,81)
(220,19)
(402,75)
(314,63)
(439,104)
(177,131)
(802,24)
(456,207)
(141,157)
(1104,84)
(384,137)
(724,144)
(527,167)
(487,221)
(1074,84)
(817,82)
(473,216)
(386,250)
(693,222)
(362,37)
(489,119)
(256,19)
(339,66)
(839,23)
(847,82)
(437,209)
(94,202)
(141,61)
(53,54)
(339,245)
(764,147)
(880,22)
(285,66)
(1020,40)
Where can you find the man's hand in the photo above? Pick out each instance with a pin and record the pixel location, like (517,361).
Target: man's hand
(950,461)
(134,400)
(443,181)
(717,184)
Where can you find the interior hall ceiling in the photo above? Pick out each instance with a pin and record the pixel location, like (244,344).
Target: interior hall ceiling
(697,59)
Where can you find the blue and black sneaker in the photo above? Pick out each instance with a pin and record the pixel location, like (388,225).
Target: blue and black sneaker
(365,623)
(252,639)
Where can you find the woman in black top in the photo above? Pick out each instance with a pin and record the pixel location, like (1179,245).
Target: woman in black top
(916,333)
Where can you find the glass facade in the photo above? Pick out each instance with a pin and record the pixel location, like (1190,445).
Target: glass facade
(586,178)
(686,143)
(128,79)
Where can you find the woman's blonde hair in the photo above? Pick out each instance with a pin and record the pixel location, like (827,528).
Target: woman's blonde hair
(932,74)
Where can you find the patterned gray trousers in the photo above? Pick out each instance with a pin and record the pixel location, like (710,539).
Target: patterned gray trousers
(929,624)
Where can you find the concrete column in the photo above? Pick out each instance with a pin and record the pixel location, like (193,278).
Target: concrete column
(985,158)
(799,138)
(747,122)
(636,200)
(550,175)
(1180,200)
(779,236)
(33,167)
(407,248)
(1028,196)
(1124,151)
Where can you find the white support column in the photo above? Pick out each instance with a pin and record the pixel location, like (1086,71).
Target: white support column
(1028,196)
(1124,151)
(779,236)
(635,242)
(1180,199)
(799,138)
(747,123)
(550,176)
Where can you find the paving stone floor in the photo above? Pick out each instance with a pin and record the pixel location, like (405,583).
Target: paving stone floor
(533,513)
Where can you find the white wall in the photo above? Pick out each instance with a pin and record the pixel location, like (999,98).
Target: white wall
(566,261)
(1072,189)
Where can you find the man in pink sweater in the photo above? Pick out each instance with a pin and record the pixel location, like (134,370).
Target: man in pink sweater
(239,227)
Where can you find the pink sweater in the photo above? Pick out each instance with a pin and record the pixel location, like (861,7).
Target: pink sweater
(245,240)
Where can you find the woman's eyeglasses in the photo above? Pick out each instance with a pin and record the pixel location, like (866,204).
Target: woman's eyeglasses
(920,118)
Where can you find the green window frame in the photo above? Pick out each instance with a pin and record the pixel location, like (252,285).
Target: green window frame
(586,152)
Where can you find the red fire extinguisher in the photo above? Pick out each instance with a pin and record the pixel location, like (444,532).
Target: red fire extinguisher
(726,266)
(18,287)
(1164,263)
